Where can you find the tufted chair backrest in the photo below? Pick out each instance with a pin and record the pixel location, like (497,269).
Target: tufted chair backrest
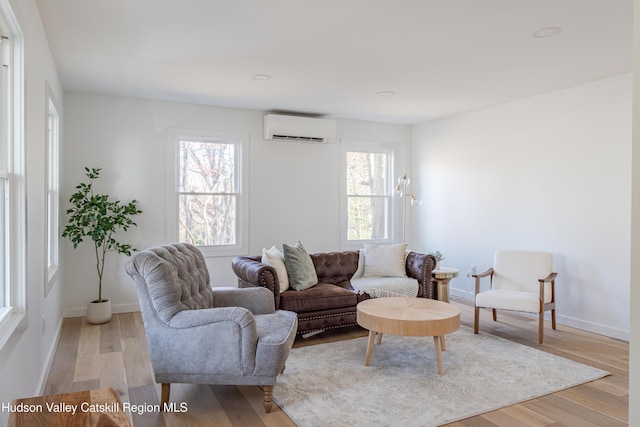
(175,276)
(335,268)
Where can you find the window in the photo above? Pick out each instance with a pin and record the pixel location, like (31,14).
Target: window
(207,200)
(3,241)
(12,185)
(53,191)
(210,197)
(5,108)
(369,195)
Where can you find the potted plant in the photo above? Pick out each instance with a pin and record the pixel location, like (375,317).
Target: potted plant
(439,257)
(97,217)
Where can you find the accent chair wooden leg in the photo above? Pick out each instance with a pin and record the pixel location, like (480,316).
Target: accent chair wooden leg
(164,398)
(268,398)
(553,318)
(476,320)
(495,315)
(540,327)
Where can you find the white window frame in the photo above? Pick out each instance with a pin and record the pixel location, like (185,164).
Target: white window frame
(368,147)
(13,313)
(52,170)
(241,141)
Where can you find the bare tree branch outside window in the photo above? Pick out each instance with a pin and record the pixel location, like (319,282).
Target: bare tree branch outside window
(208,197)
(368,195)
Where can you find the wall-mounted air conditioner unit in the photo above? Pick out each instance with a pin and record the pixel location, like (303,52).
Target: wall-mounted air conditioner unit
(298,129)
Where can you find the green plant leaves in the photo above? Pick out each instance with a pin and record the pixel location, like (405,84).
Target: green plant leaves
(97,217)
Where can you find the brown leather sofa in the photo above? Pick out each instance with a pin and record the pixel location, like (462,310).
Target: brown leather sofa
(332,302)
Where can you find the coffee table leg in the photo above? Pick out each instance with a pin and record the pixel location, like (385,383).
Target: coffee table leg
(436,343)
(444,346)
(379,341)
(367,358)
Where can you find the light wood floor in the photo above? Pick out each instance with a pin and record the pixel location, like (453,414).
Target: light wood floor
(115,355)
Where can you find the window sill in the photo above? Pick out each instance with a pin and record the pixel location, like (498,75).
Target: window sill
(8,326)
(219,252)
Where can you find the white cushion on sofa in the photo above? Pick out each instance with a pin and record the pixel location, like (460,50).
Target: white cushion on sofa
(384,260)
(275,258)
(386,286)
(360,270)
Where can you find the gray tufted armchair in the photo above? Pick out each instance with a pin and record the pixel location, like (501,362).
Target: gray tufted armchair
(201,335)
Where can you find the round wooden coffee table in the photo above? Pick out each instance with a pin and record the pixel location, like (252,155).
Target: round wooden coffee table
(407,316)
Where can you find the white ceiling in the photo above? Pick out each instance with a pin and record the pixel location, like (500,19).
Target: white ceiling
(332,57)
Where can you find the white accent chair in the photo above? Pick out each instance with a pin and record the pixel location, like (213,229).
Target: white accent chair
(519,281)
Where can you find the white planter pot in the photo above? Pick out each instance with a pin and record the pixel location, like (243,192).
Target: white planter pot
(99,312)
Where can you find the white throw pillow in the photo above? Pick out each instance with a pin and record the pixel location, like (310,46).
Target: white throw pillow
(360,270)
(385,260)
(274,258)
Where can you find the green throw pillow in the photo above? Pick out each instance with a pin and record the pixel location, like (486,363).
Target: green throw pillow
(300,269)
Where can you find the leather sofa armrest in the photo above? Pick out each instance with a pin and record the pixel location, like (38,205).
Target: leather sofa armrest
(252,272)
(419,266)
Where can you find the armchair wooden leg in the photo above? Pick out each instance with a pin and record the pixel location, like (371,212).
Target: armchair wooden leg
(164,398)
(476,320)
(553,318)
(540,327)
(268,398)
(495,315)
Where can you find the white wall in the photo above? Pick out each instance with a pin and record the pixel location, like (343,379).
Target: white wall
(634,301)
(24,360)
(294,188)
(551,172)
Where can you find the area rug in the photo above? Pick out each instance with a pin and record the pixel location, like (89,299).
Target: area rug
(328,384)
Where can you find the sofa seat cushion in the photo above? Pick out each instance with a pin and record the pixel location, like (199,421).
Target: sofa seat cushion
(320,297)
(386,286)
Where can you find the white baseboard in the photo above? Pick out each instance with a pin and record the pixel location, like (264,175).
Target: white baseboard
(117,308)
(584,325)
(42,382)
(596,328)
(461,293)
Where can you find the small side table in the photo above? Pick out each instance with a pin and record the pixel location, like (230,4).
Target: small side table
(442,276)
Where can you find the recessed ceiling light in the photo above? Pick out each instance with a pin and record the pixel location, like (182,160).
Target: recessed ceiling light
(547,32)
(385,93)
(261,77)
